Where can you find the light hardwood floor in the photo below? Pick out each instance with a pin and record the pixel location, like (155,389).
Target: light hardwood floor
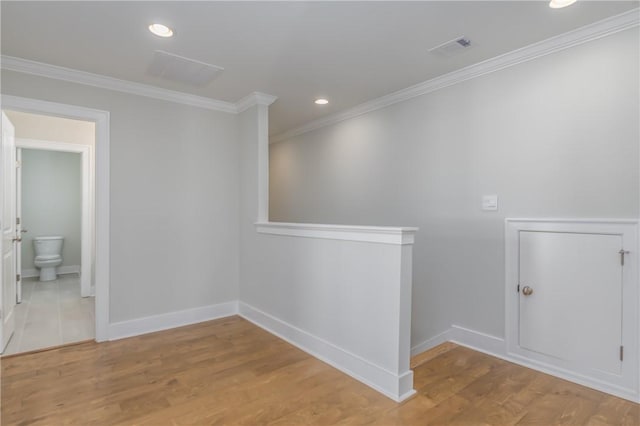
(229,371)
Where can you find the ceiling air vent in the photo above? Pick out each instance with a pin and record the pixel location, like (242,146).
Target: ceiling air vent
(452,47)
(184,70)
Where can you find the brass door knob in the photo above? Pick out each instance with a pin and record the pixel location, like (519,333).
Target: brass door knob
(527,291)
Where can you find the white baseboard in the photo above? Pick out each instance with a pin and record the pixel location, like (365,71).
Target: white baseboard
(431,343)
(138,326)
(394,386)
(496,346)
(481,342)
(34,272)
(29,273)
(478,341)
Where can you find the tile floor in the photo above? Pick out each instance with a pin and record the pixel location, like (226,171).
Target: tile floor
(52,313)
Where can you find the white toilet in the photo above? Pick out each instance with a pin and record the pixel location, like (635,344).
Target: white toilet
(48,256)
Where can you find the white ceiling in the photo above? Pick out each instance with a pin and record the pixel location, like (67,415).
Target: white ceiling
(348,52)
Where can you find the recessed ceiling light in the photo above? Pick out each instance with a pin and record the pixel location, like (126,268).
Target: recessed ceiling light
(321,101)
(558,4)
(161,30)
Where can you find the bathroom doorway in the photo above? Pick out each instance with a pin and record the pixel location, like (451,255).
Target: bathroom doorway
(55,211)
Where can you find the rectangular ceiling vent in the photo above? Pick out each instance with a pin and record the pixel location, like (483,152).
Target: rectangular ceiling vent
(452,47)
(184,70)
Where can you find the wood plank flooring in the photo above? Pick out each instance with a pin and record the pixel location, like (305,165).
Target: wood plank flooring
(231,372)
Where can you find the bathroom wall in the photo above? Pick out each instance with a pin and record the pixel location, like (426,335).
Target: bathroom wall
(556,136)
(51,203)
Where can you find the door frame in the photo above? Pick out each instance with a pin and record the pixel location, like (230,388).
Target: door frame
(627,384)
(86,227)
(102,244)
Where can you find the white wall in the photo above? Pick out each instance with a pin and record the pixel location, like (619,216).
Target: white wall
(51,202)
(174,197)
(554,137)
(58,129)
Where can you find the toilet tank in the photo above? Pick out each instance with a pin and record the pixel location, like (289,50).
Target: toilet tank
(46,246)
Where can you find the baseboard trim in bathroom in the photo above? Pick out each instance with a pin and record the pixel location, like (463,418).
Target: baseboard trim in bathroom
(33,272)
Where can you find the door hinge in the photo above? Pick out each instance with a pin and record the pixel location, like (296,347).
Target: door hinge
(17,221)
(18,277)
(621,353)
(622,252)
(518,288)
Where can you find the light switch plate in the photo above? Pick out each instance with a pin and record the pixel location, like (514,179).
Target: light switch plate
(490,202)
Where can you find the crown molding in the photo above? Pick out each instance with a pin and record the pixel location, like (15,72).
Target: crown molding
(26,66)
(255,98)
(569,39)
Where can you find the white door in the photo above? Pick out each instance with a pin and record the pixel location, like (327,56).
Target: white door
(8,229)
(19,230)
(570,298)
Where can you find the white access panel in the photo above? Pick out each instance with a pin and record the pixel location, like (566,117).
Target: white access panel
(574,312)
(571,324)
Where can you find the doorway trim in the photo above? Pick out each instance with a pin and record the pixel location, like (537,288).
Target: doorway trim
(86,245)
(626,384)
(102,206)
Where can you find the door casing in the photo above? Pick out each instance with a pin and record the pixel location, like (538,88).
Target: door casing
(102,150)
